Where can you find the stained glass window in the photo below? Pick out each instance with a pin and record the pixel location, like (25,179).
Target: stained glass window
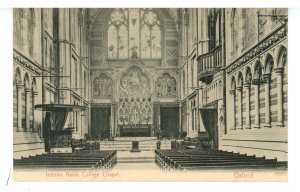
(134,31)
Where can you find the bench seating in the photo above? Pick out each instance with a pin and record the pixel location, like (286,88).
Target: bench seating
(83,144)
(211,159)
(93,159)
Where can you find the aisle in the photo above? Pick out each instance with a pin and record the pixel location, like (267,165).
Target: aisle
(135,160)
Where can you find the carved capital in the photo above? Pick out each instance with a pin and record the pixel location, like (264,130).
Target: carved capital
(28,90)
(35,93)
(232,92)
(239,88)
(20,86)
(278,70)
(267,77)
(247,85)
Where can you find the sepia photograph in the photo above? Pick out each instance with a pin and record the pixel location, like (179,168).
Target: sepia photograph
(150,94)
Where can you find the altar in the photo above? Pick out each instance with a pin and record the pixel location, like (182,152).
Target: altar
(135,131)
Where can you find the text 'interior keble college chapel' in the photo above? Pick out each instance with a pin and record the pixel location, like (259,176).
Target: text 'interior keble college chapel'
(189,89)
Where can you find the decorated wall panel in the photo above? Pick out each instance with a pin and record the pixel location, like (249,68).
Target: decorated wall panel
(102,87)
(166,86)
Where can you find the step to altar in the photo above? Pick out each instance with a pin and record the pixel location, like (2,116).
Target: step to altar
(126,145)
(135,138)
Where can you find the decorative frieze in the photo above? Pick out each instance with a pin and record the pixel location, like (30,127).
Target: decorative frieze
(26,63)
(260,48)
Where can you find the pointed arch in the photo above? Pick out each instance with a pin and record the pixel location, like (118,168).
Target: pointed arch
(257,71)
(17,77)
(233,83)
(248,76)
(269,64)
(240,80)
(26,81)
(282,57)
(33,85)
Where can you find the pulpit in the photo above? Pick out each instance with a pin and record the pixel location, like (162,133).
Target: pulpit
(60,138)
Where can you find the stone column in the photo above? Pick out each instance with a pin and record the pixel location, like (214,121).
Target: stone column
(90,120)
(240,105)
(34,95)
(232,93)
(179,111)
(247,89)
(27,108)
(279,97)
(112,120)
(197,112)
(256,106)
(19,92)
(80,123)
(188,119)
(267,100)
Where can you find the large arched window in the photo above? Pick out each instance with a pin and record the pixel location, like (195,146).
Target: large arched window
(134,32)
(30,31)
(235,32)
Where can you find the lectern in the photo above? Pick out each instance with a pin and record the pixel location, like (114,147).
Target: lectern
(135,146)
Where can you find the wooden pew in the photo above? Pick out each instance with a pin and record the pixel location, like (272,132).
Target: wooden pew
(195,159)
(81,159)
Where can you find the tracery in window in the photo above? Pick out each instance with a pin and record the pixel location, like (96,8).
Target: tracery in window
(134,32)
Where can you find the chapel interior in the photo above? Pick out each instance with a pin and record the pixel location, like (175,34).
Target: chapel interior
(170,83)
